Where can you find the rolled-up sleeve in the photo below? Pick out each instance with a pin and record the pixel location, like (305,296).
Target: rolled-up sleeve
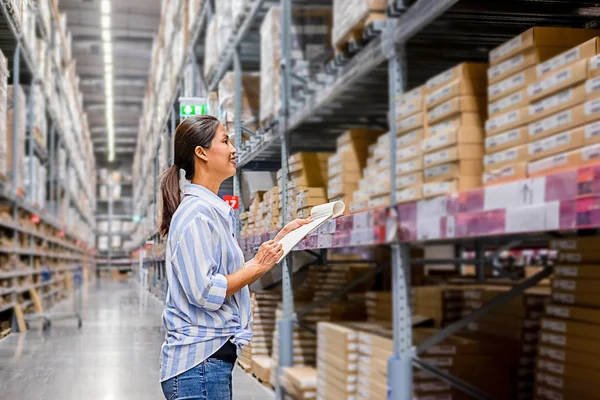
(194,263)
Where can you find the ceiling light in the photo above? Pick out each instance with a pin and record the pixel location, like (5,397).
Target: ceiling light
(105,35)
(105,22)
(105,6)
(108,58)
(107,47)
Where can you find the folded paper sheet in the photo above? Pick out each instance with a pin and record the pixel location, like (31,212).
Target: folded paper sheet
(319,215)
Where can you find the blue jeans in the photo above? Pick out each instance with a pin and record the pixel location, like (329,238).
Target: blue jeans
(210,380)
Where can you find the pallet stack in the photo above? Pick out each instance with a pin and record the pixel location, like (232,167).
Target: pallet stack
(300,383)
(453,140)
(350,17)
(20,131)
(250,100)
(346,165)
(567,365)
(307,177)
(522,103)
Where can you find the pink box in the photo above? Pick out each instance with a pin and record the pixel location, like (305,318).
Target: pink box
(477,224)
(466,202)
(561,186)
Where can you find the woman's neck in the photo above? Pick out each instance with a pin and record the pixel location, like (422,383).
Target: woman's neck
(211,184)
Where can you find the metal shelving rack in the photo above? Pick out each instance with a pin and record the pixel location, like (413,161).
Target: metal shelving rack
(419,39)
(64,244)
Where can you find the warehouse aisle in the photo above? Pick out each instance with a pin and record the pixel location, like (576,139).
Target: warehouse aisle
(114,356)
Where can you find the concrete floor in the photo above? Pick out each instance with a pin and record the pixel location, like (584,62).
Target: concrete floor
(115,356)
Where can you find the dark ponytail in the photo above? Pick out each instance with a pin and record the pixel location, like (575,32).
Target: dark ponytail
(191,133)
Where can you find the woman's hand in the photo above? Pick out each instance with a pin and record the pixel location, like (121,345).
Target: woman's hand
(268,254)
(292,226)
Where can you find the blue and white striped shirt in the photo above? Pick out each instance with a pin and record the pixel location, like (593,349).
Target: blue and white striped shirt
(201,250)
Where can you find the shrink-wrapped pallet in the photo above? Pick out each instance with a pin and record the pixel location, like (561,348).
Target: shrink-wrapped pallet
(351,15)
(16,128)
(3,111)
(250,99)
(211,46)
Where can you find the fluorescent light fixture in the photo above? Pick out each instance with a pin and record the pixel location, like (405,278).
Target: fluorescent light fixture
(105,35)
(105,6)
(108,58)
(105,22)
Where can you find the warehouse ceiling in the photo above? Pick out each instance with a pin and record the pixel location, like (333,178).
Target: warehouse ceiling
(134,24)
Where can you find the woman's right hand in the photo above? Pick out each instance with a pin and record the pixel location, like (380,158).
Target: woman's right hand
(268,254)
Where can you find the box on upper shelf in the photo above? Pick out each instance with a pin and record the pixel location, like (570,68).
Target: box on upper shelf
(559,143)
(510,85)
(456,153)
(506,157)
(462,72)
(506,140)
(571,159)
(453,89)
(528,58)
(452,170)
(505,174)
(410,103)
(462,135)
(555,81)
(456,105)
(451,186)
(470,120)
(541,36)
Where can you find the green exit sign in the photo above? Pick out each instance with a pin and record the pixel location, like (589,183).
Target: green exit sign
(190,110)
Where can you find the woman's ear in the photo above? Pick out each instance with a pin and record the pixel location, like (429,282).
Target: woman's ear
(200,153)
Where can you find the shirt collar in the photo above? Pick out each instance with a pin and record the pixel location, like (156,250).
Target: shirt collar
(215,201)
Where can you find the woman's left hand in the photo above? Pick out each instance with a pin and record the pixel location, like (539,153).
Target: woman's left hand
(292,226)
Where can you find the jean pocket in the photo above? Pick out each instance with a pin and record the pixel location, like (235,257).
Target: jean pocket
(169,388)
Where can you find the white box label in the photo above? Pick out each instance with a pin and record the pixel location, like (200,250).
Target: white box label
(440,110)
(498,122)
(555,326)
(590,152)
(565,284)
(438,171)
(406,109)
(554,339)
(505,102)
(557,311)
(407,138)
(441,78)
(506,48)
(408,152)
(406,180)
(562,118)
(500,157)
(555,354)
(592,107)
(406,167)
(592,85)
(435,158)
(566,298)
(505,66)
(435,142)
(441,127)
(406,195)
(504,138)
(438,94)
(551,102)
(570,272)
(436,187)
(507,84)
(550,82)
(592,130)
(595,62)
(408,122)
(550,143)
(549,366)
(558,61)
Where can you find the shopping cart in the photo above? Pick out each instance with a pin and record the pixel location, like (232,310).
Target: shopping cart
(48,318)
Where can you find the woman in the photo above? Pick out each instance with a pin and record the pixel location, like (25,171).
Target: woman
(208,302)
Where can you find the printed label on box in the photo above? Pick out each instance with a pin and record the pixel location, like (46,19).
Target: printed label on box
(550,82)
(502,156)
(446,350)
(406,195)
(441,78)
(505,66)
(434,158)
(554,354)
(505,102)
(438,171)
(552,142)
(554,339)
(509,118)
(438,94)
(407,109)
(441,127)
(504,138)
(407,138)
(435,142)
(592,130)
(570,272)
(405,123)
(436,187)
(590,153)
(549,394)
(407,180)
(503,173)
(408,152)
(592,85)
(565,284)
(555,368)
(562,118)
(506,48)
(440,110)
(592,107)
(506,84)
(561,312)
(550,380)
(595,62)
(406,167)
(558,61)
(551,102)
(554,326)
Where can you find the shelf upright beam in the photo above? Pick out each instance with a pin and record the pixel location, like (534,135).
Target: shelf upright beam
(237,134)
(30,140)
(51,168)
(16,111)
(286,325)
(400,363)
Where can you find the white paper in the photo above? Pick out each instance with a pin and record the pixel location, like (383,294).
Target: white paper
(319,215)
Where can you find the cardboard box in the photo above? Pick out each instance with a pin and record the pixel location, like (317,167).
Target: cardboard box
(405,110)
(464,135)
(412,95)
(456,153)
(574,313)
(511,84)
(506,140)
(507,121)
(453,170)
(456,88)
(410,138)
(411,123)
(582,52)
(361,135)
(558,122)
(595,66)
(452,186)
(526,59)
(568,356)
(592,110)
(411,179)
(575,285)
(560,143)
(505,174)
(408,153)
(541,36)
(570,342)
(345,161)
(461,104)
(571,75)
(508,103)
(577,271)
(408,194)
(579,299)
(592,88)
(577,387)
(503,158)
(464,71)
(583,244)
(470,120)
(407,167)
(559,101)
(564,161)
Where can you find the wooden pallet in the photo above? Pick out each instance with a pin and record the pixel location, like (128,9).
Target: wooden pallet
(247,368)
(355,37)
(265,384)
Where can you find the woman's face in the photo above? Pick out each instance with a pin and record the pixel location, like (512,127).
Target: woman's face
(221,155)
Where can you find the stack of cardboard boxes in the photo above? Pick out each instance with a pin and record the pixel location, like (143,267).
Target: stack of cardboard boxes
(526,103)
(452,146)
(250,100)
(20,103)
(518,321)
(300,383)
(567,365)
(346,165)
(307,177)
(264,304)
(4,133)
